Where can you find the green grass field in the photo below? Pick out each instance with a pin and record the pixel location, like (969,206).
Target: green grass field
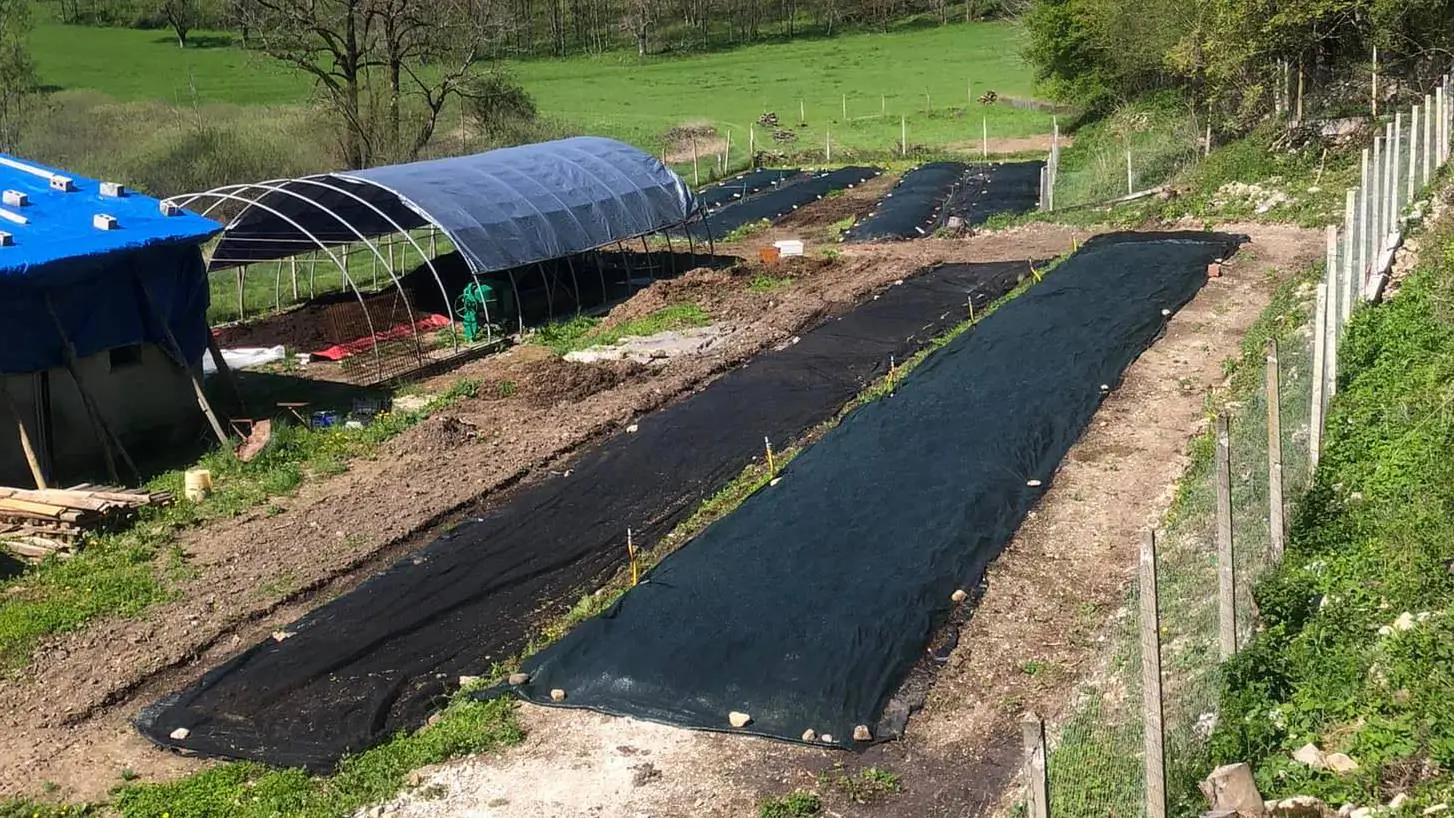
(880,76)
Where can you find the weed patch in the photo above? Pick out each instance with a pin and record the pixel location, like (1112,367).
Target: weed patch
(792,805)
(582,332)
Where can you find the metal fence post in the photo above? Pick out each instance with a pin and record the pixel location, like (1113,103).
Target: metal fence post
(1277,527)
(1395,151)
(1226,576)
(1315,418)
(1037,789)
(1151,682)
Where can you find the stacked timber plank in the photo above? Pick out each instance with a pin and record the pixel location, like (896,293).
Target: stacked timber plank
(35,523)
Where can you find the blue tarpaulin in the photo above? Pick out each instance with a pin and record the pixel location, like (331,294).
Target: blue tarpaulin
(95,281)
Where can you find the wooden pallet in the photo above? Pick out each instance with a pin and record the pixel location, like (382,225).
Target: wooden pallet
(35,523)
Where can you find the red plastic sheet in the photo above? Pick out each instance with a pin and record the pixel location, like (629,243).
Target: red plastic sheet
(338,352)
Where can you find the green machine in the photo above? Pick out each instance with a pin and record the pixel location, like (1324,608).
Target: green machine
(479,306)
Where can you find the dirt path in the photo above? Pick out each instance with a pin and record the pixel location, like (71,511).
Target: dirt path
(67,720)
(1048,597)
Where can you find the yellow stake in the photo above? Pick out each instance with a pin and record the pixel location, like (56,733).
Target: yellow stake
(631,552)
(771,467)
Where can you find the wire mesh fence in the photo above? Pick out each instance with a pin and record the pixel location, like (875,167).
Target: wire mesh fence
(1135,741)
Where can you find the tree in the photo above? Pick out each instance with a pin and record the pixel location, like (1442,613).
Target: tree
(385,68)
(17,71)
(639,17)
(182,16)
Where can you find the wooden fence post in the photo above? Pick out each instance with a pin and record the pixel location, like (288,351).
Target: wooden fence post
(1151,681)
(1226,575)
(1277,527)
(1315,418)
(1332,325)
(1037,789)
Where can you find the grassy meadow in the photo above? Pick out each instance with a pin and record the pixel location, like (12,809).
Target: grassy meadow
(925,76)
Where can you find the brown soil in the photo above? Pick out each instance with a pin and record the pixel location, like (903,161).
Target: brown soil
(67,719)
(694,141)
(1076,553)
(1008,146)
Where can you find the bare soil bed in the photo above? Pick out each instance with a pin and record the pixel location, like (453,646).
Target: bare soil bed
(1048,597)
(66,731)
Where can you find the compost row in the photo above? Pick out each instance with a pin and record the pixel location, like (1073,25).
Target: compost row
(804,609)
(381,658)
(778,202)
(928,195)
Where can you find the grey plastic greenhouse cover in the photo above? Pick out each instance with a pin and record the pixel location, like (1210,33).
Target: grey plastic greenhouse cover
(516,206)
(503,209)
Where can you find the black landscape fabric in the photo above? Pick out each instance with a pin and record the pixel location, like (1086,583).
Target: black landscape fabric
(381,658)
(778,202)
(805,607)
(915,206)
(743,185)
(928,195)
(990,190)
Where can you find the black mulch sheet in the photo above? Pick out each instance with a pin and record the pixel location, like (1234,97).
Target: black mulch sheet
(777,203)
(743,185)
(381,658)
(806,607)
(925,198)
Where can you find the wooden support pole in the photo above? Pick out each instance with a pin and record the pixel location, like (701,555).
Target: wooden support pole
(1130,177)
(1226,567)
(1276,523)
(1151,709)
(903,135)
(1037,789)
(182,362)
(984,125)
(845,107)
(1315,418)
(36,472)
(104,434)
(696,168)
(225,372)
(1375,81)
(1301,76)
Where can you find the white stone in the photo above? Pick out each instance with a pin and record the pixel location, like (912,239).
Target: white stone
(180,733)
(1436,809)
(1398,801)
(739,719)
(279,636)
(557,695)
(1404,622)
(1310,755)
(1340,763)
(862,733)
(810,735)
(1231,787)
(959,595)
(519,678)
(466,681)
(1298,806)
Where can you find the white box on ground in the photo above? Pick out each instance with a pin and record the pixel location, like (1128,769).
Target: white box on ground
(789,247)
